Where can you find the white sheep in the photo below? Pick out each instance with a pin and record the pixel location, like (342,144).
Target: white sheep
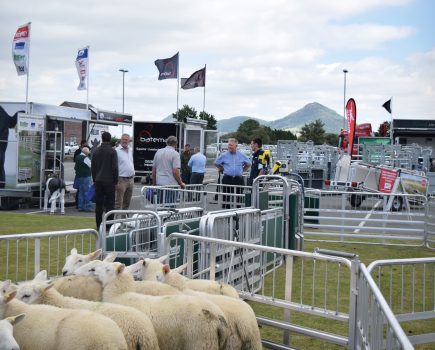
(240,316)
(75,260)
(153,267)
(49,328)
(136,327)
(7,340)
(180,321)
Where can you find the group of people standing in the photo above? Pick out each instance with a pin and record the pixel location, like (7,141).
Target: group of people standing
(112,172)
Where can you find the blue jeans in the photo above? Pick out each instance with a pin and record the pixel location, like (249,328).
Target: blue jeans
(84,184)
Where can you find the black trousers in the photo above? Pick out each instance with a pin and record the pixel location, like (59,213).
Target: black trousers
(104,200)
(231,180)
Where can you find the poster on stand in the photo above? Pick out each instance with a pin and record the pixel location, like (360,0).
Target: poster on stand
(30,129)
(387,180)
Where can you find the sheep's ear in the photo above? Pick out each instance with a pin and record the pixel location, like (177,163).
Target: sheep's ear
(15,319)
(47,285)
(96,254)
(110,257)
(135,267)
(163,258)
(180,268)
(120,269)
(41,276)
(166,269)
(9,296)
(74,251)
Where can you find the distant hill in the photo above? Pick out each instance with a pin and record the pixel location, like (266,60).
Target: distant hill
(312,111)
(294,121)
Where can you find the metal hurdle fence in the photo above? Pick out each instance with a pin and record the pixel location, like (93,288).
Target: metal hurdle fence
(336,217)
(23,255)
(408,285)
(430,223)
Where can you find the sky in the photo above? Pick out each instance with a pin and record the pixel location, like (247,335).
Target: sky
(265,59)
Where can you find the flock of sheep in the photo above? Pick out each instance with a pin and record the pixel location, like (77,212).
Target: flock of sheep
(99,305)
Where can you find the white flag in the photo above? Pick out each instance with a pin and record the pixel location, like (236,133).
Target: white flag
(82,67)
(20,49)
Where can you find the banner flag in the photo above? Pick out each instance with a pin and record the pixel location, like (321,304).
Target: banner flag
(197,79)
(387,106)
(20,49)
(82,64)
(168,67)
(351,123)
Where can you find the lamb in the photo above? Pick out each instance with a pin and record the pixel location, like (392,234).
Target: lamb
(50,328)
(7,340)
(181,322)
(153,267)
(136,327)
(241,318)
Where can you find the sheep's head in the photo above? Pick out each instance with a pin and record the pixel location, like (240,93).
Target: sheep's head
(107,272)
(161,276)
(29,292)
(7,340)
(151,268)
(75,260)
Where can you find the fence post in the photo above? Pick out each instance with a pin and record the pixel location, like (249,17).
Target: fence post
(353,307)
(288,294)
(37,256)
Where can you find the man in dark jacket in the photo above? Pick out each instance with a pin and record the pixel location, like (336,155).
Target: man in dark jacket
(6,122)
(104,170)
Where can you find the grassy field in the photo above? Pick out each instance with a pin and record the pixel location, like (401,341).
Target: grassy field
(13,223)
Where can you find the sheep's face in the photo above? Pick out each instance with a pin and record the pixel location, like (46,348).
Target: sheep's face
(7,341)
(75,260)
(108,272)
(151,270)
(29,292)
(88,269)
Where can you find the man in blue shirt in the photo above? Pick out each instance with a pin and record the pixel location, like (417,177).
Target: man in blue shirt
(197,164)
(232,164)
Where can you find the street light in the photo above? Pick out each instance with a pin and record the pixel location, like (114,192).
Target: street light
(123,71)
(344,99)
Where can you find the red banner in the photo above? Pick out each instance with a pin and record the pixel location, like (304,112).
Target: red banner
(387,179)
(351,123)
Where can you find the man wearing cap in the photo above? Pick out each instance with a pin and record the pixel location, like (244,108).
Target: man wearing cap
(83,174)
(124,189)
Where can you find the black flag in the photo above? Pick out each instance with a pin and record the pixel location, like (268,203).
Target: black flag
(387,106)
(168,67)
(197,79)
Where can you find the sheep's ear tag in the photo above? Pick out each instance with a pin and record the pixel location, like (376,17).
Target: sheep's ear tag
(165,269)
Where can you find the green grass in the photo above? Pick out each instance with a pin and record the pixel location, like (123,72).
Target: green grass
(12,223)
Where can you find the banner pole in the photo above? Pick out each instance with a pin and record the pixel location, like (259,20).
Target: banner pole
(178,81)
(28,73)
(203,104)
(87,81)
(391,124)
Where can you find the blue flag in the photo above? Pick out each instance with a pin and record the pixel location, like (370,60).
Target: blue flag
(168,67)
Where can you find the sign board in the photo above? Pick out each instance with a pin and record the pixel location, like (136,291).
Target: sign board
(148,137)
(387,179)
(374,141)
(94,134)
(413,183)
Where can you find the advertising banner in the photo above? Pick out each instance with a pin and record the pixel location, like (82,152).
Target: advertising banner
(351,123)
(414,184)
(82,65)
(30,129)
(94,135)
(20,49)
(387,179)
(147,139)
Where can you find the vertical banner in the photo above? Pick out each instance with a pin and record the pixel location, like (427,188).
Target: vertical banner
(20,49)
(82,67)
(351,124)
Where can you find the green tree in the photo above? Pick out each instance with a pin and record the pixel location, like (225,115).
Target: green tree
(279,134)
(185,112)
(313,131)
(331,139)
(211,120)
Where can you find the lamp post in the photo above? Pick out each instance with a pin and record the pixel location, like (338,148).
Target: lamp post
(123,71)
(344,99)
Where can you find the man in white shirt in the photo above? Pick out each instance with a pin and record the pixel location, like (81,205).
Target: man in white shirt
(124,188)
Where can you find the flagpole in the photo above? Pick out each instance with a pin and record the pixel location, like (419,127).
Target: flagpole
(203,104)
(178,81)
(391,124)
(28,72)
(87,81)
